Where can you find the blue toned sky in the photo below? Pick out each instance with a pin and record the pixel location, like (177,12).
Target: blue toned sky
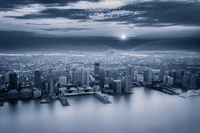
(101,22)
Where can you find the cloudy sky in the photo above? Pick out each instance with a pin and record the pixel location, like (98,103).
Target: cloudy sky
(99,24)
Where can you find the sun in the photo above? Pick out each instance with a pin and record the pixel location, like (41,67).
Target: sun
(123,37)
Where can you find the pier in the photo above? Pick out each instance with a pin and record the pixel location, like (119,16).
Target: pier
(104,99)
(80,93)
(63,100)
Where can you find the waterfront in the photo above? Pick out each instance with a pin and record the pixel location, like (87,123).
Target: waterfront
(145,111)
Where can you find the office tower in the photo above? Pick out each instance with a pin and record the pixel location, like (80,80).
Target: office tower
(66,73)
(62,80)
(185,81)
(117,86)
(87,78)
(102,78)
(148,75)
(155,77)
(173,74)
(163,70)
(170,80)
(193,81)
(108,74)
(55,74)
(12,80)
(97,73)
(129,71)
(179,74)
(51,86)
(73,73)
(7,77)
(106,81)
(140,78)
(127,88)
(37,79)
(165,79)
(115,74)
(76,78)
(46,87)
(82,77)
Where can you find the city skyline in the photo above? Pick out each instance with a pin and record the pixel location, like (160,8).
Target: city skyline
(99,66)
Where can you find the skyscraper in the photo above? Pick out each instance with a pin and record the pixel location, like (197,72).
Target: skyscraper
(193,81)
(97,73)
(127,88)
(82,76)
(148,75)
(129,71)
(12,81)
(185,81)
(37,79)
(117,86)
(173,74)
(87,78)
(163,71)
(51,87)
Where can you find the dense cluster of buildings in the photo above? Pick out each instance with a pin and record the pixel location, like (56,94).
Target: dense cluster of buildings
(14,85)
(80,73)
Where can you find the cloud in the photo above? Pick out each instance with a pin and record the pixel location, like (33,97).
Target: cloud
(101,17)
(143,13)
(66,29)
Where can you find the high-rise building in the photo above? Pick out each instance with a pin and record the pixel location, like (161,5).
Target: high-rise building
(127,88)
(12,81)
(173,74)
(155,77)
(179,74)
(129,71)
(148,75)
(185,81)
(62,80)
(193,81)
(117,86)
(164,79)
(51,86)
(140,78)
(97,73)
(102,78)
(82,76)
(170,80)
(37,79)
(106,81)
(87,78)
(163,70)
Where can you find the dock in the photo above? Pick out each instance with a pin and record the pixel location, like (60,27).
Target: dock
(63,100)
(104,99)
(80,93)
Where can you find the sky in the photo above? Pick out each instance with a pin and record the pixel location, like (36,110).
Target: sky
(99,25)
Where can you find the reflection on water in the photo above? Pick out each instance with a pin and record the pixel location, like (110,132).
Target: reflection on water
(145,111)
